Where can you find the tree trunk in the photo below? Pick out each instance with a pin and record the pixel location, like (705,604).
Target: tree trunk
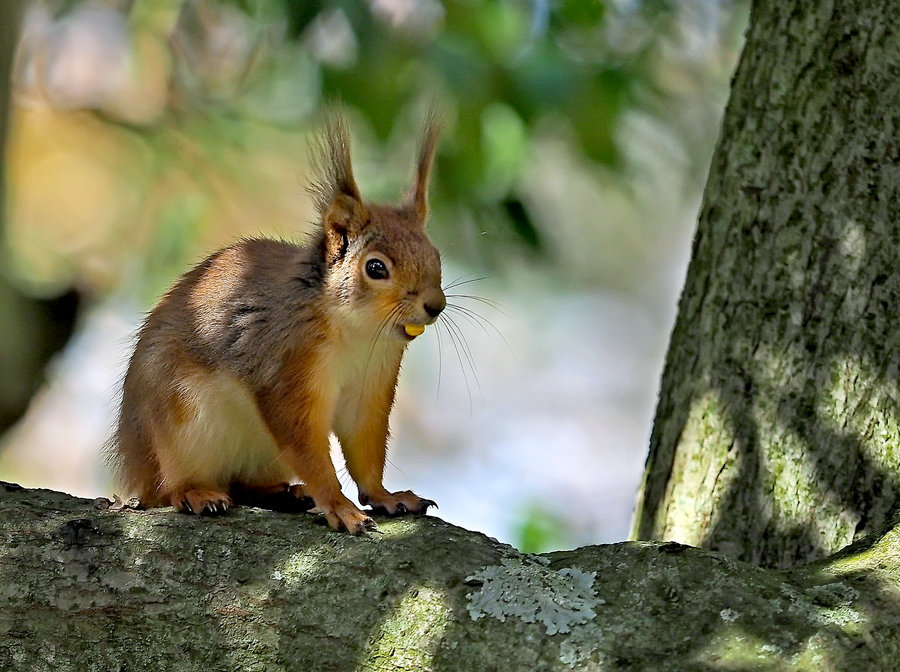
(90,590)
(33,329)
(10,16)
(776,433)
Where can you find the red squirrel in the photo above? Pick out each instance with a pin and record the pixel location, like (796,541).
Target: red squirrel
(255,356)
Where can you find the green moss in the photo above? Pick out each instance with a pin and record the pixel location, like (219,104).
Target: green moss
(408,637)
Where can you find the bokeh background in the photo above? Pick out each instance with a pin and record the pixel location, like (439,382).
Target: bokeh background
(142,135)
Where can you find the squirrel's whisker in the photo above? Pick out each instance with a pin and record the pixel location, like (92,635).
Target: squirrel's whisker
(467,351)
(481,321)
(453,282)
(496,305)
(453,327)
(440,363)
(342,475)
(460,281)
(471,316)
(444,320)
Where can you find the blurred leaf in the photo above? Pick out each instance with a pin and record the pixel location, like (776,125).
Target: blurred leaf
(458,59)
(540,531)
(174,240)
(300,13)
(543,78)
(288,90)
(580,12)
(600,104)
(523,225)
(504,147)
(516,75)
(502,29)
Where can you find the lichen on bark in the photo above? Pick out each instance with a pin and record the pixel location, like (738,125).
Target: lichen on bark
(526,589)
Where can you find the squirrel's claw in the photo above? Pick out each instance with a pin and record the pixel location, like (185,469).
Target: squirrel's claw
(203,502)
(359,527)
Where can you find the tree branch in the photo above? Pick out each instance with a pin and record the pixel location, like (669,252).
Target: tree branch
(87,588)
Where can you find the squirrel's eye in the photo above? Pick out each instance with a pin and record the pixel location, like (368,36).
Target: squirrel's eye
(376,269)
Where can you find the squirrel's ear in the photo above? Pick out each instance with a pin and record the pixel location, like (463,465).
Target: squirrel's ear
(334,190)
(337,197)
(423,168)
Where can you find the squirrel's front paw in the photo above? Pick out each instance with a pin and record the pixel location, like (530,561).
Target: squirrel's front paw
(203,502)
(345,516)
(396,503)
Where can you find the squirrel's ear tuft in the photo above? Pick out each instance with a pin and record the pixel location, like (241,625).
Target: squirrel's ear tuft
(432,132)
(334,190)
(334,186)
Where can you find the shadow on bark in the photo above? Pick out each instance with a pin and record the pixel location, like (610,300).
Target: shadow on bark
(841,469)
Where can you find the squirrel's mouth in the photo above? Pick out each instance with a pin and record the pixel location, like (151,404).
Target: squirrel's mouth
(410,331)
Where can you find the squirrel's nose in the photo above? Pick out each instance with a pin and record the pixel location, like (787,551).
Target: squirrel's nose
(435,304)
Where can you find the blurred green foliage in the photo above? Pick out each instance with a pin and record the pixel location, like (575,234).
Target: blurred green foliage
(501,68)
(539,530)
(208,84)
(505,66)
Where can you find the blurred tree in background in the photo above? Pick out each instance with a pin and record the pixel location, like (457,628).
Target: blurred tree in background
(33,328)
(146,133)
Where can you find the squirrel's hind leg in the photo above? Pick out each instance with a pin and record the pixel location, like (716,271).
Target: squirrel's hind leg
(208,437)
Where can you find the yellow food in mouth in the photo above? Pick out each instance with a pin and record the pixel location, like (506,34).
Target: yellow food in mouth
(414,329)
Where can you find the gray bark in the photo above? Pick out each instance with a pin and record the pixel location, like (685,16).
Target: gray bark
(88,589)
(777,425)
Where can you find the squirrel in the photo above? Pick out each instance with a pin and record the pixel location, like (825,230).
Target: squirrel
(254,357)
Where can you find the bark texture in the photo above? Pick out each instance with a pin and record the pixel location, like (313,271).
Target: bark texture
(88,590)
(776,433)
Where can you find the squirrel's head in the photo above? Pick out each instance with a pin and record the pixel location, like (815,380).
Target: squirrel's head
(382,270)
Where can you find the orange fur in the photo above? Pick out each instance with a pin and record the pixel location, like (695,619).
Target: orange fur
(362,427)
(258,354)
